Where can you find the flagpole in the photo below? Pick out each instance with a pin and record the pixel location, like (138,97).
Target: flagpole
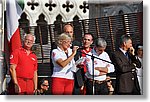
(2,2)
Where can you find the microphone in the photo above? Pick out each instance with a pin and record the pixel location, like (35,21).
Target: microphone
(75,43)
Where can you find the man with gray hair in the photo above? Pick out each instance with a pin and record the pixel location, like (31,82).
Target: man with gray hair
(23,68)
(125,66)
(97,69)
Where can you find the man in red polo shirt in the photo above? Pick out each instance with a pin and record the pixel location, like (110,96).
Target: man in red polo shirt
(87,42)
(23,68)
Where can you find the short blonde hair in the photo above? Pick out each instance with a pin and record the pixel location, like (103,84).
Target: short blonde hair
(62,37)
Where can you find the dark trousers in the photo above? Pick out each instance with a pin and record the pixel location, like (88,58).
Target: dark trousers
(78,81)
(99,89)
(134,92)
(76,89)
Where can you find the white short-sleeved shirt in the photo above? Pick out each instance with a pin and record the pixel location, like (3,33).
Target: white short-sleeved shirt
(58,71)
(98,63)
(140,70)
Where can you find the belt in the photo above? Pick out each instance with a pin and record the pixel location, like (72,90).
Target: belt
(25,79)
(97,81)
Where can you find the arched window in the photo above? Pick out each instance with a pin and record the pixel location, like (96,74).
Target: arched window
(77,29)
(58,29)
(41,31)
(24,23)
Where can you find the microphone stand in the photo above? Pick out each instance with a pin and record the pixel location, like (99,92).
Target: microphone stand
(95,57)
(92,58)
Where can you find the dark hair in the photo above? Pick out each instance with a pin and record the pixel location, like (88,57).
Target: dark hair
(42,81)
(89,34)
(137,47)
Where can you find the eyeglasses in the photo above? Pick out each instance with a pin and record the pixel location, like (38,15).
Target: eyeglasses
(28,40)
(45,85)
(67,42)
(69,32)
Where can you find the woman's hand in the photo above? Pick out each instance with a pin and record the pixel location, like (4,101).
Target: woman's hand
(74,50)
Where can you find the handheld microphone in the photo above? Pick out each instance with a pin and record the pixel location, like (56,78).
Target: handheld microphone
(75,43)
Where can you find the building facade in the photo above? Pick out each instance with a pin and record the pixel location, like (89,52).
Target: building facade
(103,18)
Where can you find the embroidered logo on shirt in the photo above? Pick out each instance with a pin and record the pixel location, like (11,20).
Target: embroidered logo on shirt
(95,62)
(33,59)
(88,59)
(53,54)
(104,62)
(108,65)
(11,57)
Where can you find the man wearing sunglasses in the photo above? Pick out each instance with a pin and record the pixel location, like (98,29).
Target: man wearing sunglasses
(43,87)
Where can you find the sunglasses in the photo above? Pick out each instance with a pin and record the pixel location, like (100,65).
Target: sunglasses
(45,85)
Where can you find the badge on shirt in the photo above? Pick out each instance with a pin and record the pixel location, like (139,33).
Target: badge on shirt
(11,57)
(108,65)
(88,59)
(95,62)
(53,54)
(33,59)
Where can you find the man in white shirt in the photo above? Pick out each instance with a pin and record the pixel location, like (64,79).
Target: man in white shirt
(139,71)
(96,82)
